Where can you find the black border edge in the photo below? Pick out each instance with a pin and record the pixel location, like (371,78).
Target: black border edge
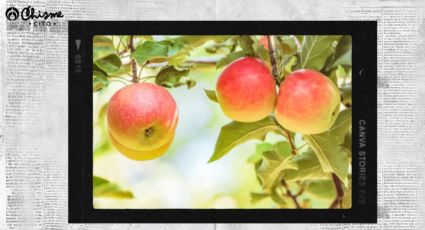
(80,122)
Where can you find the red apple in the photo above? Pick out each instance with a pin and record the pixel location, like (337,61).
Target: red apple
(246,90)
(142,117)
(308,102)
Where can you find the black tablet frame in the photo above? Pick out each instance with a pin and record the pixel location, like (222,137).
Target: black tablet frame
(364,126)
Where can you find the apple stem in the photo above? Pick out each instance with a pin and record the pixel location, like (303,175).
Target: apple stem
(272,58)
(339,192)
(133,62)
(149,132)
(292,196)
(287,135)
(293,148)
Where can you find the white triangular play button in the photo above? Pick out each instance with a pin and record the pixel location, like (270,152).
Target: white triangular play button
(78,43)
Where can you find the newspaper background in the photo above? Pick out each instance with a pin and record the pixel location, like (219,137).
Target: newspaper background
(34,76)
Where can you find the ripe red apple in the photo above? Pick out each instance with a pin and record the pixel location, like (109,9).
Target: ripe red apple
(246,90)
(142,117)
(308,102)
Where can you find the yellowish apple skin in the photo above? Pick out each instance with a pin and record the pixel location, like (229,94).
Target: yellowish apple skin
(308,102)
(246,90)
(140,155)
(142,116)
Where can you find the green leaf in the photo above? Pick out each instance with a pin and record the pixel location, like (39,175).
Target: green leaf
(309,168)
(278,198)
(109,64)
(149,50)
(230,58)
(256,167)
(246,43)
(211,95)
(198,40)
(314,51)
(99,80)
(213,48)
(102,47)
(126,68)
(341,126)
(236,133)
(343,52)
(103,146)
(178,50)
(288,66)
(340,72)
(174,46)
(257,197)
(143,38)
(348,141)
(187,43)
(98,181)
(286,45)
(273,164)
(321,190)
(281,147)
(263,147)
(171,77)
(104,188)
(333,77)
(286,54)
(259,150)
(327,146)
(332,157)
(262,52)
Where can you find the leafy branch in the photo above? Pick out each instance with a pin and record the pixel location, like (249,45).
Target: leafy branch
(133,61)
(273,59)
(285,132)
(292,196)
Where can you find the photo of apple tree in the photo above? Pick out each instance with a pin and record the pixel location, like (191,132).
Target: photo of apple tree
(261,121)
